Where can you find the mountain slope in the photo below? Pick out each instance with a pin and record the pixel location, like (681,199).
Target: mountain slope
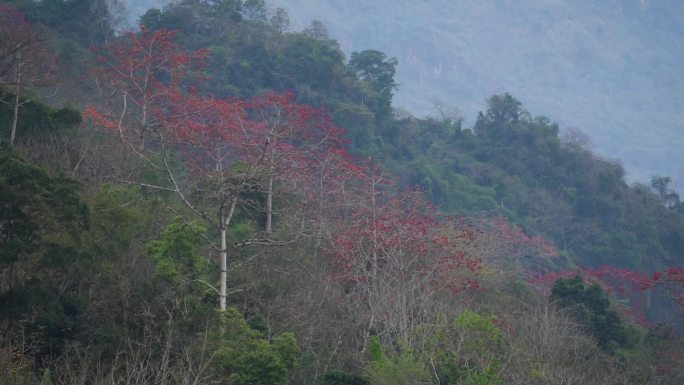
(611,68)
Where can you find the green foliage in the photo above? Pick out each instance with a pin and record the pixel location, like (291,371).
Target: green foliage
(40,213)
(36,119)
(476,359)
(563,77)
(240,231)
(152,19)
(373,67)
(87,21)
(337,378)
(469,350)
(518,166)
(590,306)
(375,349)
(251,55)
(47,378)
(176,255)
(42,224)
(484,328)
(119,214)
(318,62)
(246,357)
(352,114)
(254,10)
(662,186)
(402,368)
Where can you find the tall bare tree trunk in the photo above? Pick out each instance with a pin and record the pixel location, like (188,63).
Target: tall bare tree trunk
(269,206)
(269,195)
(224,270)
(225,222)
(17,97)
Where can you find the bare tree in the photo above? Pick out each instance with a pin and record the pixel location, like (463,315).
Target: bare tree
(26,61)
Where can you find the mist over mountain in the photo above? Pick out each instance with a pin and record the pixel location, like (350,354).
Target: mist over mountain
(610,68)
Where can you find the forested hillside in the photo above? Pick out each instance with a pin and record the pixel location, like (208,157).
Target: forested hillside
(608,67)
(214,198)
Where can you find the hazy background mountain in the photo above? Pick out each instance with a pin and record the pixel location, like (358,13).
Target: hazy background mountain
(611,68)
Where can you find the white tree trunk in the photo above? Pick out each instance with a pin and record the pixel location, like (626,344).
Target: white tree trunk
(17,99)
(223,288)
(269,195)
(224,270)
(269,206)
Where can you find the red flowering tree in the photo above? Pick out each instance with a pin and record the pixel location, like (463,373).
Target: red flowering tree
(244,150)
(503,245)
(632,286)
(672,280)
(296,140)
(394,256)
(217,156)
(144,75)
